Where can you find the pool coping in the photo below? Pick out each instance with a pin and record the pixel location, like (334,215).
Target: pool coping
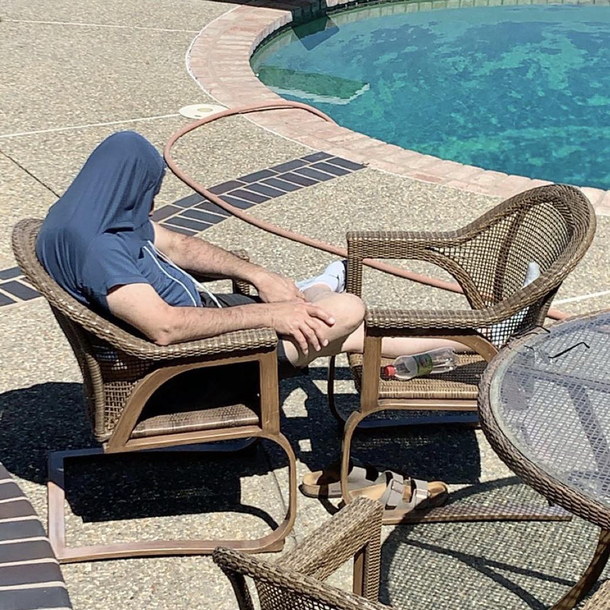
(219,60)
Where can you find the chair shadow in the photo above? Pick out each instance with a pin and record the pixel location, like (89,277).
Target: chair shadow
(44,417)
(163,484)
(448,452)
(51,417)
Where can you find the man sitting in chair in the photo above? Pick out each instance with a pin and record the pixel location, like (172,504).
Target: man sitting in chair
(99,243)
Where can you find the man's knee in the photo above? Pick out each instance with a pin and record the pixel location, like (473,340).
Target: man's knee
(348,311)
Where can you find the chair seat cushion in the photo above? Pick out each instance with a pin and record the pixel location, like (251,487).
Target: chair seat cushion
(213,418)
(461,383)
(203,399)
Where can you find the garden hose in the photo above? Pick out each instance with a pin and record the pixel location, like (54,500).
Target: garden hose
(285,233)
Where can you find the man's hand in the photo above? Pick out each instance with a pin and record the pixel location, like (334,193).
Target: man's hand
(304,322)
(274,288)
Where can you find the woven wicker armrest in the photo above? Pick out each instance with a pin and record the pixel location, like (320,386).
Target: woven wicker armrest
(337,541)
(229,343)
(299,575)
(399,244)
(284,589)
(383,321)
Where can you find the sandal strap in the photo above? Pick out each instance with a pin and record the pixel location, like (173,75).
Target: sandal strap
(419,494)
(394,490)
(361,473)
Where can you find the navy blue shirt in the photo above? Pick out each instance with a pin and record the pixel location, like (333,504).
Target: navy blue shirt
(98,235)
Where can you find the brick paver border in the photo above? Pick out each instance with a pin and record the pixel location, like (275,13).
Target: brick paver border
(219,60)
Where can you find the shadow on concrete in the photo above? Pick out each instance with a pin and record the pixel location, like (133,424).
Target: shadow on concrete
(42,418)
(51,417)
(161,484)
(448,452)
(491,566)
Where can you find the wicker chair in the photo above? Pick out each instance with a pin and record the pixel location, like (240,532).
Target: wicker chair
(122,376)
(295,581)
(551,225)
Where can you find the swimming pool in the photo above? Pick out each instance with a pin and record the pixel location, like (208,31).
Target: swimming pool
(519,89)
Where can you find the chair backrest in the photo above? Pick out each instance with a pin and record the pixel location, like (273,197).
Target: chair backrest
(551,225)
(109,374)
(297,580)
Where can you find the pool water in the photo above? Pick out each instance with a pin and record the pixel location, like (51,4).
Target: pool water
(519,89)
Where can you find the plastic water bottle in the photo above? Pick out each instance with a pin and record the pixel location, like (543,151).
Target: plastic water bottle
(441,360)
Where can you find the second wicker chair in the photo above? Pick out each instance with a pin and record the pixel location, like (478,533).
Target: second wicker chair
(552,226)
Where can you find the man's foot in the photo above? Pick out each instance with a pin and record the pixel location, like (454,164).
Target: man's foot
(333,276)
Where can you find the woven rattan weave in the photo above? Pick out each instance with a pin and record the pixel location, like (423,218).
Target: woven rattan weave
(545,404)
(296,581)
(552,226)
(125,378)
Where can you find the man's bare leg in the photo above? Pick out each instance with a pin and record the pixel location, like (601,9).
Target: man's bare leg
(392,347)
(347,310)
(347,335)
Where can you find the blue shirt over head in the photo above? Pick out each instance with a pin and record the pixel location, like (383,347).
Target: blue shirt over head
(98,235)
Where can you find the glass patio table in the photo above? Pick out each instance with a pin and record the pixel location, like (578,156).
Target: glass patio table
(544,405)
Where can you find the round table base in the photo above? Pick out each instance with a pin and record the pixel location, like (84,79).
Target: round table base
(589,578)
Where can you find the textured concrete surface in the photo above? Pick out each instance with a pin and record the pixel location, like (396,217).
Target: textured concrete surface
(58,75)
(104,75)
(189,15)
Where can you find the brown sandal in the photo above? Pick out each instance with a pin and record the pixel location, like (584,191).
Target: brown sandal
(393,494)
(326,483)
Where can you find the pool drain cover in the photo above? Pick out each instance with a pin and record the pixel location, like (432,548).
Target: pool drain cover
(200,111)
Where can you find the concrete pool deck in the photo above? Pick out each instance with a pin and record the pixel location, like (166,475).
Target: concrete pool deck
(75,72)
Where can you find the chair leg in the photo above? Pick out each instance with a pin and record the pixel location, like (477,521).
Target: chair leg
(154,548)
(348,432)
(450,513)
(330,392)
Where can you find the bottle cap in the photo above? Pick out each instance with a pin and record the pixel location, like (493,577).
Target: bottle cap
(389,370)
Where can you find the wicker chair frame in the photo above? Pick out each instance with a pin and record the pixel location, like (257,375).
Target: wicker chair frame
(553,225)
(121,372)
(296,581)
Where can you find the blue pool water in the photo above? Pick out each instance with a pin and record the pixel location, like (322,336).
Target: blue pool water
(520,89)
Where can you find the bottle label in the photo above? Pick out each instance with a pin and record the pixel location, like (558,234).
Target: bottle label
(424,364)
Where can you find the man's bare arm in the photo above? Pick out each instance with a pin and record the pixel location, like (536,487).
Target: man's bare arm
(141,307)
(199,256)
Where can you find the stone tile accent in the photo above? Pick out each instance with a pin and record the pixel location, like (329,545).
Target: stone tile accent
(16,289)
(9,274)
(220,61)
(19,290)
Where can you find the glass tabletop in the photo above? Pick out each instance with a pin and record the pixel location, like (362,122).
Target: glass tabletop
(550,397)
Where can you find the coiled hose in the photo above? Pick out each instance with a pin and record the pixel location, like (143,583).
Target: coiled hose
(285,233)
